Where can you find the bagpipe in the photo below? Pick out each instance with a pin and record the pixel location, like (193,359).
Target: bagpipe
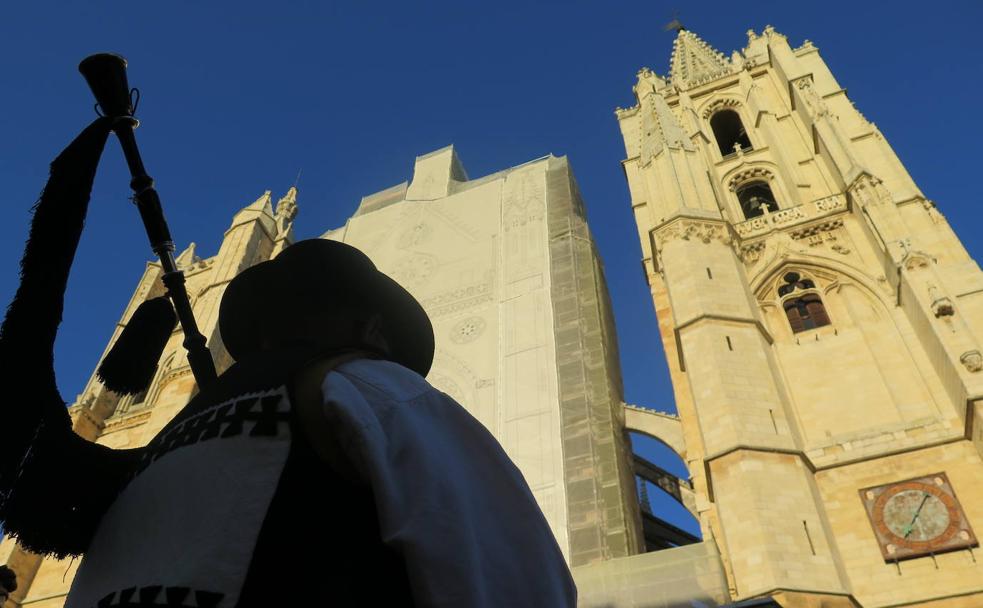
(106,75)
(54,485)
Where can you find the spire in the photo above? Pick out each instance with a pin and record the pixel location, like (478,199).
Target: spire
(187,258)
(262,204)
(694,61)
(286,211)
(286,207)
(261,209)
(660,128)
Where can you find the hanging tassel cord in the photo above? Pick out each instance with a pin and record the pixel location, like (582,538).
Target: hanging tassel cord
(43,495)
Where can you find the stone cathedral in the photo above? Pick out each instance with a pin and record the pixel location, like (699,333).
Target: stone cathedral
(818,314)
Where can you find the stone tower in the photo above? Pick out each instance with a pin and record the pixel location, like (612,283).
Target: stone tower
(822,325)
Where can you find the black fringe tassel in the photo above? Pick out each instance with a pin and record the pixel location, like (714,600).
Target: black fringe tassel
(35,430)
(130,364)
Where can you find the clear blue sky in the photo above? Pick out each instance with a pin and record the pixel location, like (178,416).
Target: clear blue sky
(239,96)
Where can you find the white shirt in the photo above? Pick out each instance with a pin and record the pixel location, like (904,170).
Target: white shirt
(448,497)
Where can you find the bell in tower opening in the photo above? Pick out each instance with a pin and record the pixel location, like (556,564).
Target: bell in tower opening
(755,199)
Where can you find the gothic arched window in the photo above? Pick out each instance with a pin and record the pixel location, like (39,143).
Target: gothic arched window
(802,303)
(728,130)
(755,197)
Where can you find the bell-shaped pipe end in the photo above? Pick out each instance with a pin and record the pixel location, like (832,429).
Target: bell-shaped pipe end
(106,75)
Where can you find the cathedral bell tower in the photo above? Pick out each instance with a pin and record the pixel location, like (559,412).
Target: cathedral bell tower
(822,324)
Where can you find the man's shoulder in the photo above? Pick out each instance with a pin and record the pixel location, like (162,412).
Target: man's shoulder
(384,379)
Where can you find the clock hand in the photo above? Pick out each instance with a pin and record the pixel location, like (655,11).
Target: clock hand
(910,527)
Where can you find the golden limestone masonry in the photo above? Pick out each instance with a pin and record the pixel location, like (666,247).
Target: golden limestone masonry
(821,320)
(822,324)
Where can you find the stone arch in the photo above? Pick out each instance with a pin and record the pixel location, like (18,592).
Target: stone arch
(828,269)
(870,371)
(748,173)
(712,110)
(849,295)
(664,428)
(161,377)
(800,297)
(667,430)
(716,104)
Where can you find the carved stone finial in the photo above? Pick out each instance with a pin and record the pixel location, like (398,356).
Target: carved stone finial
(648,82)
(915,260)
(286,211)
(972,360)
(187,258)
(941,304)
(943,307)
(286,207)
(751,36)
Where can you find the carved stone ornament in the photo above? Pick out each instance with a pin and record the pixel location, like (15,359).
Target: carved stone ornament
(915,261)
(868,190)
(467,330)
(942,307)
(720,104)
(748,175)
(415,269)
(972,360)
(933,211)
(691,230)
(817,229)
(941,304)
(830,203)
(414,235)
(750,254)
(784,216)
(811,97)
(754,225)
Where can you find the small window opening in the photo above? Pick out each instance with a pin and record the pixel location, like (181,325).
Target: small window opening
(755,197)
(806,311)
(709,274)
(729,345)
(729,132)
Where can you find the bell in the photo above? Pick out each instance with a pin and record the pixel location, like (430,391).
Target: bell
(106,75)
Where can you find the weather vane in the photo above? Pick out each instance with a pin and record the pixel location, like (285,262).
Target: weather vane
(675,25)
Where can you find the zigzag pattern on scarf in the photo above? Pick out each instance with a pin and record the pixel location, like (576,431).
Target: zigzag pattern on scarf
(158,596)
(269,413)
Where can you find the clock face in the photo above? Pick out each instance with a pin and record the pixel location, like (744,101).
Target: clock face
(917,517)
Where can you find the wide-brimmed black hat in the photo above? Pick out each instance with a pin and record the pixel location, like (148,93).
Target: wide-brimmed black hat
(316,274)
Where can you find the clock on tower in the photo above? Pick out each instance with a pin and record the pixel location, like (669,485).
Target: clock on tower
(917,517)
